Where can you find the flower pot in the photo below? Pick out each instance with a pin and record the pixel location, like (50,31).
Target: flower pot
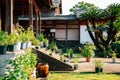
(97,70)
(41,44)
(18,46)
(43,69)
(88,59)
(23,45)
(29,44)
(11,47)
(113,60)
(75,67)
(3,49)
(71,55)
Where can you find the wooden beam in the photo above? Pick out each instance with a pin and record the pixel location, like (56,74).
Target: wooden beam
(30,13)
(9,16)
(36,6)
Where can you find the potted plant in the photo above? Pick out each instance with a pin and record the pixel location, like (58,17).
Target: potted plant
(114,56)
(75,63)
(98,66)
(18,37)
(46,42)
(30,36)
(3,42)
(24,40)
(88,51)
(12,40)
(41,39)
(70,53)
(53,46)
(36,42)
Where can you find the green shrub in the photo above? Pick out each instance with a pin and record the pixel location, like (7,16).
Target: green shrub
(21,67)
(88,50)
(116,47)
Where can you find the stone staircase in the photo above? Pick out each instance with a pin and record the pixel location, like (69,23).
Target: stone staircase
(53,60)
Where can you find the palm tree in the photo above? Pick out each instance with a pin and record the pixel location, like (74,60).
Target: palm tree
(98,22)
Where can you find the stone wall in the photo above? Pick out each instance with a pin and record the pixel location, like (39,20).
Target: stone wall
(54,64)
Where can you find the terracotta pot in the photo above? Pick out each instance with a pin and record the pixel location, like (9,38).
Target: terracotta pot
(88,59)
(43,69)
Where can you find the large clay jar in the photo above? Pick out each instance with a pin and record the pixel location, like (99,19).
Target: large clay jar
(43,69)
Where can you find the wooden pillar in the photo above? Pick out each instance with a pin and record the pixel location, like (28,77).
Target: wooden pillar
(30,13)
(53,22)
(39,28)
(0,19)
(66,33)
(79,30)
(36,23)
(9,16)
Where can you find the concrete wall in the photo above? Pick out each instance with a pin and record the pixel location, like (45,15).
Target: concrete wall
(7,56)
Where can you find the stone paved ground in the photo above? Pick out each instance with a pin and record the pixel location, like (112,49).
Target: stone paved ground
(108,67)
(84,66)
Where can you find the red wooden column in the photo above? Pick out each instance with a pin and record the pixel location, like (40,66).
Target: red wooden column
(9,16)
(30,13)
(36,22)
(39,23)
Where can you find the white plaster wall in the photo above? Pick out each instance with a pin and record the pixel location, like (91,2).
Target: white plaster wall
(84,36)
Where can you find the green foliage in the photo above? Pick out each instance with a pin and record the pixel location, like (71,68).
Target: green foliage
(23,37)
(29,34)
(88,50)
(69,52)
(41,38)
(46,41)
(3,38)
(53,46)
(116,47)
(98,64)
(21,67)
(112,10)
(12,38)
(36,42)
(87,10)
(82,6)
(117,23)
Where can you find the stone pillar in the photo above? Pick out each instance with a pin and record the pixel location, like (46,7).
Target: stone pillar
(9,16)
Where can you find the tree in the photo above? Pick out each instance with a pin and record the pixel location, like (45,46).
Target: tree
(101,24)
